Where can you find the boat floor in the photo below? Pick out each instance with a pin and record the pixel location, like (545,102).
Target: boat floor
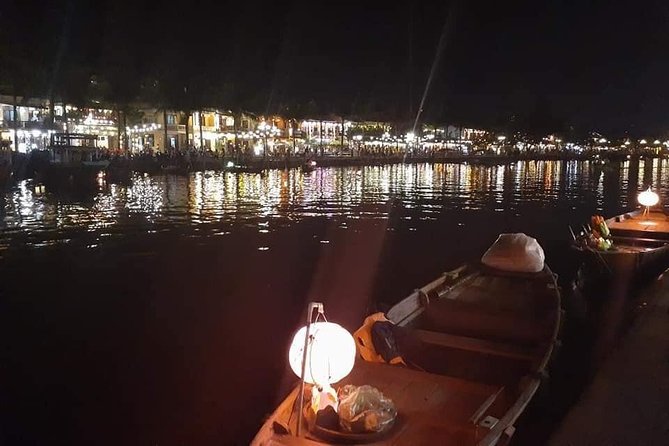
(652,225)
(432,409)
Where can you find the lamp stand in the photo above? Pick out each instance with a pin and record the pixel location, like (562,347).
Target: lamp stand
(310,311)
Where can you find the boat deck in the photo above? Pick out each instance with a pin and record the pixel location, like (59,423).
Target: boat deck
(655,225)
(432,409)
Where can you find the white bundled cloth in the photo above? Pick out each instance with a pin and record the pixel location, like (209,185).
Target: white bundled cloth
(516,253)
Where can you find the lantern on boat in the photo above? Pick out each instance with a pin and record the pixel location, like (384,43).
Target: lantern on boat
(322,353)
(330,353)
(648,198)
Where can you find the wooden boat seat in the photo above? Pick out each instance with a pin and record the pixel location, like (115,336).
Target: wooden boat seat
(481,360)
(490,271)
(476,345)
(493,324)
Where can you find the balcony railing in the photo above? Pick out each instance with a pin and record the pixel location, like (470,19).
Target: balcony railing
(26,125)
(179,128)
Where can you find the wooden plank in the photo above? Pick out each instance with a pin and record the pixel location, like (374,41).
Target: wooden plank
(406,310)
(475,345)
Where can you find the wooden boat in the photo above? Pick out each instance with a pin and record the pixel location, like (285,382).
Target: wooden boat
(640,248)
(308,166)
(76,151)
(73,158)
(177,168)
(479,342)
(653,225)
(245,168)
(96,164)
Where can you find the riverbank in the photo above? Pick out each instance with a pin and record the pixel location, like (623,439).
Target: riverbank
(626,403)
(37,164)
(199,162)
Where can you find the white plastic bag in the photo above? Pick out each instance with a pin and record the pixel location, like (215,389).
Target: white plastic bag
(516,253)
(365,409)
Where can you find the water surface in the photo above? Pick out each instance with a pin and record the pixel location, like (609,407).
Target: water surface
(159,311)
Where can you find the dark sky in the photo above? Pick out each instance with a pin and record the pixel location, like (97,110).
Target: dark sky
(597,65)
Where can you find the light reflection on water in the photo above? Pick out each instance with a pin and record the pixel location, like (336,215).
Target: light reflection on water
(353,192)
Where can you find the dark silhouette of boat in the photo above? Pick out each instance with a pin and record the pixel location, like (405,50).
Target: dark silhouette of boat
(73,157)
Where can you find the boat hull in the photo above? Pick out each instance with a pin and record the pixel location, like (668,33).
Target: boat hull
(57,175)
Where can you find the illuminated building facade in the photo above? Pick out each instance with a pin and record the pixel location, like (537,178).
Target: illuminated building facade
(212,130)
(90,121)
(149,128)
(140,128)
(25,127)
(327,132)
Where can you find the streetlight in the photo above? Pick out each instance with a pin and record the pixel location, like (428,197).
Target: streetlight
(501,139)
(265,130)
(411,139)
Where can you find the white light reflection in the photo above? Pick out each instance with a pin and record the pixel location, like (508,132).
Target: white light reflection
(424,192)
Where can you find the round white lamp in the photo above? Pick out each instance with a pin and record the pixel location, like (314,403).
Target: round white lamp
(321,353)
(648,198)
(330,353)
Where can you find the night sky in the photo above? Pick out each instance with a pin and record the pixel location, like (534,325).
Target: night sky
(600,66)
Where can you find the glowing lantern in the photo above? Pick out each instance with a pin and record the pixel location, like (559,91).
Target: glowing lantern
(321,353)
(330,353)
(648,198)
(230,164)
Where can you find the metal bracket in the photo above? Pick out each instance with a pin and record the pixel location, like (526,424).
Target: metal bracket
(489,422)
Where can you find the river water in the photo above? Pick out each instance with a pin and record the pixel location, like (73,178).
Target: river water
(159,311)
